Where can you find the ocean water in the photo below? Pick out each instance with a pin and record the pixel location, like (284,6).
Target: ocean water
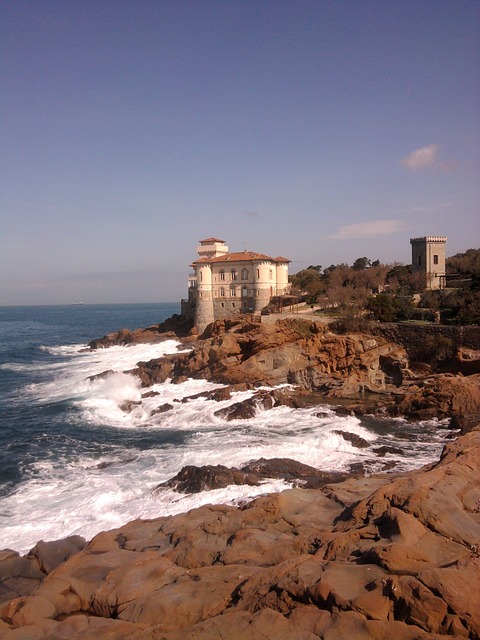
(73,462)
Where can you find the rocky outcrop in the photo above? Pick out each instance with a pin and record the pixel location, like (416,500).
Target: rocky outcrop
(193,479)
(21,575)
(175,327)
(369,371)
(442,396)
(369,558)
(293,351)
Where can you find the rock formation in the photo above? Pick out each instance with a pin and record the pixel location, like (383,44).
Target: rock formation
(369,558)
(394,557)
(371,371)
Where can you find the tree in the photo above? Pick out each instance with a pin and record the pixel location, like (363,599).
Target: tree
(391,308)
(361,263)
(398,277)
(467,263)
(308,281)
(383,307)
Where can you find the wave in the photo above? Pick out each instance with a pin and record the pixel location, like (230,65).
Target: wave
(105,485)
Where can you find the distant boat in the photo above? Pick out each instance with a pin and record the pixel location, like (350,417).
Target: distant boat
(75,303)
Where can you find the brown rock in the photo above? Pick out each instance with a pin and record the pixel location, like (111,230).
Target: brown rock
(163,408)
(51,554)
(443,396)
(353,438)
(369,558)
(246,409)
(192,479)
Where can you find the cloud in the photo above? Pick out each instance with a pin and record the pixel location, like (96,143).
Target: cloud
(423,158)
(367,229)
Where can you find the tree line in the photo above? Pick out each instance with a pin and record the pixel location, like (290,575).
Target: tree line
(391,292)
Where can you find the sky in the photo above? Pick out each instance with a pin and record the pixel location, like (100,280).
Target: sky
(321,130)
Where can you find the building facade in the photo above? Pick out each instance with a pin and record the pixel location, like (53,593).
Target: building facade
(428,258)
(225,284)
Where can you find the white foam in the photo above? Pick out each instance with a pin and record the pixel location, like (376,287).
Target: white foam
(78,496)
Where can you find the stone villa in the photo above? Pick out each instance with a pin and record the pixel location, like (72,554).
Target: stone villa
(225,284)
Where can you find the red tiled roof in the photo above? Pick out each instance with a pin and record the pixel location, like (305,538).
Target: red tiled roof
(241,256)
(211,240)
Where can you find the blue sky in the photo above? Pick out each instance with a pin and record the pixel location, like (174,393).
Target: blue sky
(319,130)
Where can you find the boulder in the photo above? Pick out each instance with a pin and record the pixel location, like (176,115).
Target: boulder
(163,408)
(263,400)
(354,439)
(192,479)
(442,396)
(51,554)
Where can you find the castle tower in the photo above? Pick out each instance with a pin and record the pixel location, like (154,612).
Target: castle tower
(428,258)
(204,312)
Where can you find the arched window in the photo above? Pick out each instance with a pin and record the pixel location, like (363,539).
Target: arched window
(233,292)
(244,274)
(233,274)
(222,274)
(222,292)
(244,292)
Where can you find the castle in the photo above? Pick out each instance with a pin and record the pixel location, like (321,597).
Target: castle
(224,284)
(428,258)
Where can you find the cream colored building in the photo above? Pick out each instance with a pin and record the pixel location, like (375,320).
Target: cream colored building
(225,284)
(428,258)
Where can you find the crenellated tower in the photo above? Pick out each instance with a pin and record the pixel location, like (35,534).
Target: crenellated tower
(428,258)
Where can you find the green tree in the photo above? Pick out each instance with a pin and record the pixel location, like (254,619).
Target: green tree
(361,263)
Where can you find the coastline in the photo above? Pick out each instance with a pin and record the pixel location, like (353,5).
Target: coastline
(248,560)
(366,558)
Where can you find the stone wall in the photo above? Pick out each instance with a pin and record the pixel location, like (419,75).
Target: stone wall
(413,336)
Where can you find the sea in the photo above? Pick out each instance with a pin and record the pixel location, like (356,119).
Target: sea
(73,461)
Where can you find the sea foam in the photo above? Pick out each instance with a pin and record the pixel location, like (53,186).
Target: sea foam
(69,493)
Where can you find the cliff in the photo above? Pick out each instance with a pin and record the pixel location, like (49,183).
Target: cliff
(371,371)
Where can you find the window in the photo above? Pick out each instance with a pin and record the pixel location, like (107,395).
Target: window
(233,274)
(222,304)
(244,274)
(258,274)
(233,292)
(435,259)
(258,293)
(244,292)
(271,274)
(222,292)
(233,305)
(222,274)
(201,276)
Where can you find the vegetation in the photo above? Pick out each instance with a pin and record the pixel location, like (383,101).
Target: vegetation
(459,304)
(385,292)
(467,263)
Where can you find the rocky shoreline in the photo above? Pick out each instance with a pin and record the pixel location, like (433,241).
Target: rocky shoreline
(388,556)
(420,377)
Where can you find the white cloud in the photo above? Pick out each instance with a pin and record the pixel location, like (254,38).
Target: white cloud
(423,158)
(367,229)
